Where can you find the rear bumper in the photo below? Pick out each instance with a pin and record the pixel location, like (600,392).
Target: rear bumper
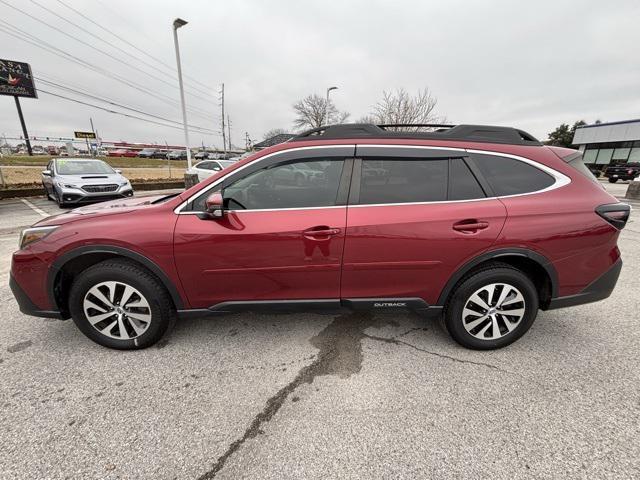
(597,290)
(27,306)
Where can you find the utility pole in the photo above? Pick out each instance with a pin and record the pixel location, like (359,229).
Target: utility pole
(229,128)
(247,141)
(224,137)
(94,153)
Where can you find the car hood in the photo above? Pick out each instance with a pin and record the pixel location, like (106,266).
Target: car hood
(113,207)
(92,179)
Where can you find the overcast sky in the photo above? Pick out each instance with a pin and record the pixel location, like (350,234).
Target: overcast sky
(527,64)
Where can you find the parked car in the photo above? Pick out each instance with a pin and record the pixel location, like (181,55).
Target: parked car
(75,181)
(202,155)
(123,152)
(151,153)
(177,155)
(480,226)
(207,168)
(623,171)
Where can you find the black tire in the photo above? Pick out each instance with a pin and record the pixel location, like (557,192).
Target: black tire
(46,193)
(162,311)
(492,273)
(56,198)
(613,180)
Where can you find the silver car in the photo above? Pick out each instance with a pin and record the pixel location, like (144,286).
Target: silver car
(75,181)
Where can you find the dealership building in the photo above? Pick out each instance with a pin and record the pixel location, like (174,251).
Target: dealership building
(604,143)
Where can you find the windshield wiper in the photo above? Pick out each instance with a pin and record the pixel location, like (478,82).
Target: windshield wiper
(166,197)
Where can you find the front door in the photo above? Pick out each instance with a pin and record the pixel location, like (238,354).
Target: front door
(415,215)
(281,237)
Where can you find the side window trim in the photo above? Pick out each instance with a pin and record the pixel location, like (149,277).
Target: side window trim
(560,179)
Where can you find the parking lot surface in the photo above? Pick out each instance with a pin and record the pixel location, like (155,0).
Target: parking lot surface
(320,396)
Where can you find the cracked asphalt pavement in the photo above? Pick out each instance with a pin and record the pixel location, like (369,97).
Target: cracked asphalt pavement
(357,395)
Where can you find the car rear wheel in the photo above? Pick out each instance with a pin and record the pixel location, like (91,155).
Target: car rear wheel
(491,308)
(120,305)
(613,180)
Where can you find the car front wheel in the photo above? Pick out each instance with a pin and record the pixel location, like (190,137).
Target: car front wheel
(613,180)
(491,308)
(120,305)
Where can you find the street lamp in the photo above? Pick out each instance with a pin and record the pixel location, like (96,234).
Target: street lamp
(327,105)
(177,23)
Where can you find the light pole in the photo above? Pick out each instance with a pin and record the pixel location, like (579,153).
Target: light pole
(327,105)
(177,23)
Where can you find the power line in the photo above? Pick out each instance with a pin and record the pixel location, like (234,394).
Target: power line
(115,104)
(135,117)
(33,40)
(110,32)
(120,49)
(79,40)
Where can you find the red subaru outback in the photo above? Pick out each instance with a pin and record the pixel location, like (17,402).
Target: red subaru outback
(479,225)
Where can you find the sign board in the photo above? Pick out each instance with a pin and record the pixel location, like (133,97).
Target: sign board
(85,135)
(16,79)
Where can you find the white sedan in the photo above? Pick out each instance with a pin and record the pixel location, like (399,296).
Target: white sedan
(208,167)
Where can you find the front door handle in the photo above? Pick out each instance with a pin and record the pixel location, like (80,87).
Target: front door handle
(321,231)
(470,226)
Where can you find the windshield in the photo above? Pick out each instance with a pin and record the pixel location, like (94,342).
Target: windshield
(82,167)
(225,163)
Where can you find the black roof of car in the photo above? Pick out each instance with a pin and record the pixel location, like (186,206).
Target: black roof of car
(470,133)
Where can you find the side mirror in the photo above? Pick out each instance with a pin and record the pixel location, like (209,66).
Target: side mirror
(214,205)
(118,171)
(46,173)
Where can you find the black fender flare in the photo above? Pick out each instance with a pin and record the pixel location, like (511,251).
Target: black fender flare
(495,255)
(62,260)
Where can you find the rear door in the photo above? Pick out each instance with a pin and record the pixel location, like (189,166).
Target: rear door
(415,215)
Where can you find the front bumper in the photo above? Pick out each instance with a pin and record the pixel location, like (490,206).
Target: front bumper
(77,196)
(27,306)
(597,290)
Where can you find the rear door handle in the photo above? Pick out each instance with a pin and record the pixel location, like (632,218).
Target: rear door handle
(470,226)
(321,231)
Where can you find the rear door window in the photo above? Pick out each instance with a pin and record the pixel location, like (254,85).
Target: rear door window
(403,180)
(508,176)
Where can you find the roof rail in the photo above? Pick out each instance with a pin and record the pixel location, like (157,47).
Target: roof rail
(384,126)
(470,133)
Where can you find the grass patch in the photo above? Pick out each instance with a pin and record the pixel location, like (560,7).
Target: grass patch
(115,162)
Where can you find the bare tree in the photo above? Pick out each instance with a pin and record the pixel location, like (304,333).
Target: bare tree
(400,107)
(311,112)
(273,132)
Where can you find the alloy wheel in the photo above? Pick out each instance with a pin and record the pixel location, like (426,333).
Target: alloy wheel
(493,311)
(117,310)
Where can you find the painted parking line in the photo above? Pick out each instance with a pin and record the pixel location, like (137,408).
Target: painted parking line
(39,211)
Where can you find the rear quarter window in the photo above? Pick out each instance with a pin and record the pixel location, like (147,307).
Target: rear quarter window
(508,176)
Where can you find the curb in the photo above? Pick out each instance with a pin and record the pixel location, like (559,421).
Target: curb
(140,186)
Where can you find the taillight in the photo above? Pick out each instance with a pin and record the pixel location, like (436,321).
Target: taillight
(616,214)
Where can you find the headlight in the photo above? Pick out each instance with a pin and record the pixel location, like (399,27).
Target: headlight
(124,184)
(67,185)
(34,234)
